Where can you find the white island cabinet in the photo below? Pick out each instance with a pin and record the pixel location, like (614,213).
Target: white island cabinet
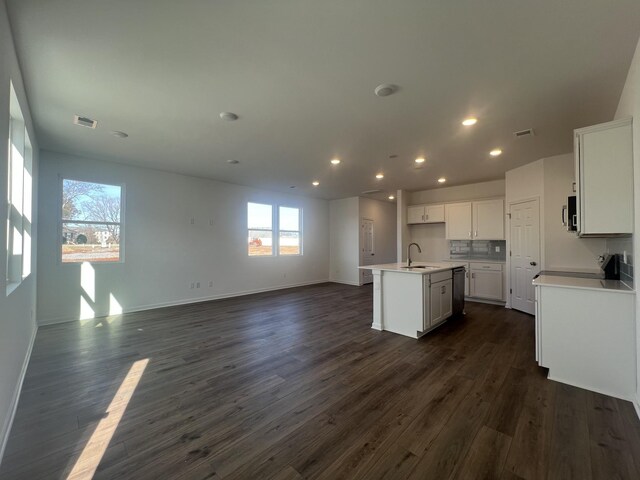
(412,301)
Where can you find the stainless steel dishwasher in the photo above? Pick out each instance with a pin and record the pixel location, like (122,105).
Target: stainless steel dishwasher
(458,291)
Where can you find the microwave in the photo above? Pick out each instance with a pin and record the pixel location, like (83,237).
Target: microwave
(570,214)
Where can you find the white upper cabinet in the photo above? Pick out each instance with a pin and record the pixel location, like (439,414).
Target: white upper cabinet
(604,178)
(458,221)
(425,214)
(488,220)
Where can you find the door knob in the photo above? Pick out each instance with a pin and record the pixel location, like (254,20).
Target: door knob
(533,264)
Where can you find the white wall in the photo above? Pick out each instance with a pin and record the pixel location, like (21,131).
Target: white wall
(17,326)
(629,105)
(344,228)
(461,193)
(383,215)
(431,237)
(164,252)
(564,250)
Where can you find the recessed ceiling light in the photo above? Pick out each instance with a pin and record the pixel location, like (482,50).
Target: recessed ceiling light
(420,160)
(385,90)
(119,134)
(232,162)
(228,116)
(467,122)
(391,197)
(335,161)
(379,176)
(495,152)
(442,180)
(315,183)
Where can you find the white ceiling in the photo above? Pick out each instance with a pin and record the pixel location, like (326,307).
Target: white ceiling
(301,74)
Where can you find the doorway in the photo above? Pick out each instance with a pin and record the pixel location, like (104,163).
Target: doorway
(367,249)
(524,235)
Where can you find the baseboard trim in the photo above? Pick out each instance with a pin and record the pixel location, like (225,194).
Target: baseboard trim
(482,300)
(141,308)
(344,282)
(591,389)
(6,429)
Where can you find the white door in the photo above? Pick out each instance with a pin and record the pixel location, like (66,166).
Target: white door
(488,220)
(458,221)
(525,254)
(368,254)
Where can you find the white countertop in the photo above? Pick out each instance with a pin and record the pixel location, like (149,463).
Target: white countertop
(475,260)
(433,267)
(583,283)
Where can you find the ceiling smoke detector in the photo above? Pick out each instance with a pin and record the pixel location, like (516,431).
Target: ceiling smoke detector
(232,162)
(524,133)
(385,90)
(228,116)
(84,122)
(119,134)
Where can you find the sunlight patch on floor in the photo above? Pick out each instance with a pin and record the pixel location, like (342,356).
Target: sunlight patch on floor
(94,450)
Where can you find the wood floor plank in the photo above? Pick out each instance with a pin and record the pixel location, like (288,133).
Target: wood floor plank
(295,384)
(486,456)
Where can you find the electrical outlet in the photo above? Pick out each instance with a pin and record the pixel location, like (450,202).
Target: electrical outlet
(211,222)
(192,285)
(197,284)
(211,284)
(193,221)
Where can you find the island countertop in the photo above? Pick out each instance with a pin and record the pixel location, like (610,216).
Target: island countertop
(420,268)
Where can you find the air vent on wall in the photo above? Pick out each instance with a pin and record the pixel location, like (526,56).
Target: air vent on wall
(84,122)
(369,192)
(524,133)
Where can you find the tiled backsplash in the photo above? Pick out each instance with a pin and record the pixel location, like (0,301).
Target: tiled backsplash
(478,250)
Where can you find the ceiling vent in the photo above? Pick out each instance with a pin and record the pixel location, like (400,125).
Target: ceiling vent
(84,122)
(369,192)
(524,133)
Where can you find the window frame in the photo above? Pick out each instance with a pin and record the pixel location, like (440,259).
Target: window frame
(299,232)
(274,250)
(275,229)
(121,224)
(15,272)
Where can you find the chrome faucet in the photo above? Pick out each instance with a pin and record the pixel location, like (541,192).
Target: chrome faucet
(409,253)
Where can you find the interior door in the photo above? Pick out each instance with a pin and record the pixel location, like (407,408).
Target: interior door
(525,254)
(368,254)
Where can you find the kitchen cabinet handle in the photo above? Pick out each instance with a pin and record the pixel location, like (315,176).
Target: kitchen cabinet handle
(473,275)
(443,289)
(470,235)
(533,264)
(476,233)
(427,215)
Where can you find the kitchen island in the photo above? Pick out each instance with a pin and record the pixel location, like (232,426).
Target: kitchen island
(412,300)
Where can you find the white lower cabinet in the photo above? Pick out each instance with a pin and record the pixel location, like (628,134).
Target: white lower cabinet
(586,338)
(486,281)
(441,302)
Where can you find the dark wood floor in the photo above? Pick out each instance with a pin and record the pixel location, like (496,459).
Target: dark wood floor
(295,384)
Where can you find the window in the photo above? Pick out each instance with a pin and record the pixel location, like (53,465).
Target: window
(91,222)
(19,191)
(260,226)
(289,225)
(260,221)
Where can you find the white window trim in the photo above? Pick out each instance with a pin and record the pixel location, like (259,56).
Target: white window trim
(123,196)
(275,230)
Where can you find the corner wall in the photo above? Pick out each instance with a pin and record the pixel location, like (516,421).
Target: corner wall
(164,252)
(345,240)
(629,105)
(17,326)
